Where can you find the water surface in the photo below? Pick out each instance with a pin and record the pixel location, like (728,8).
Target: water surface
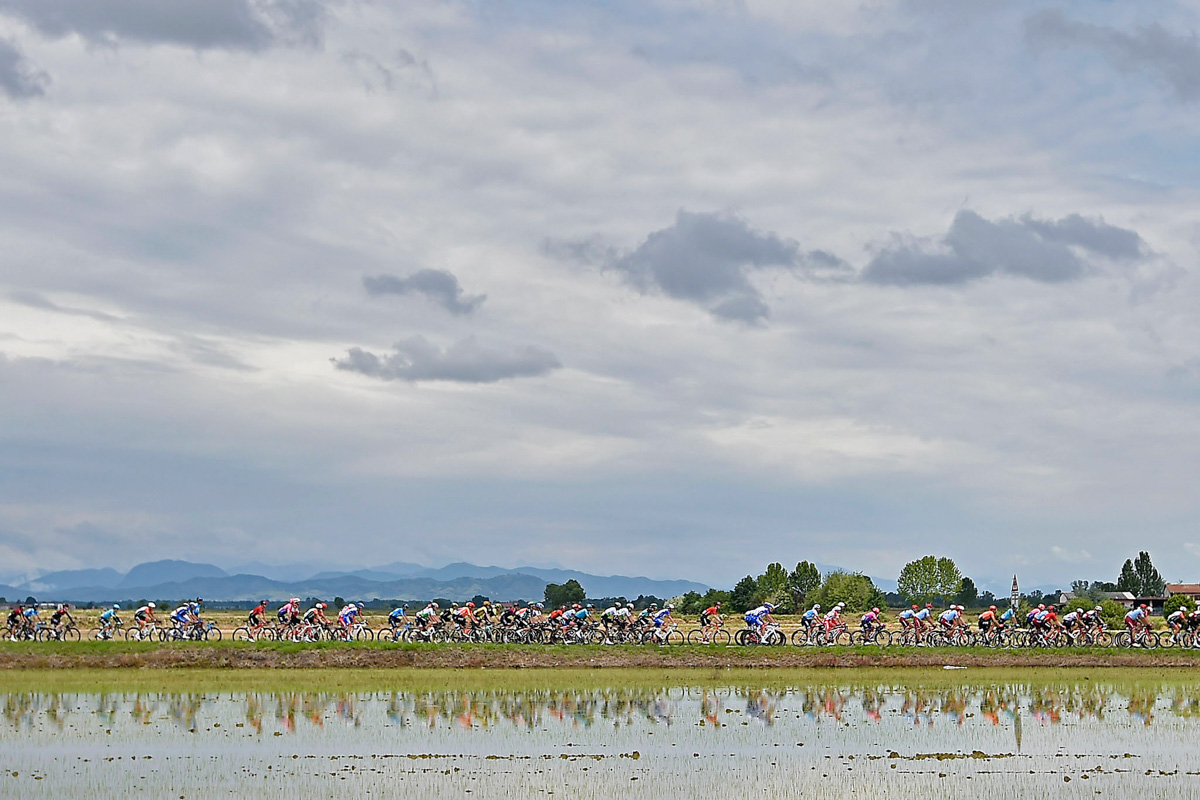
(813,734)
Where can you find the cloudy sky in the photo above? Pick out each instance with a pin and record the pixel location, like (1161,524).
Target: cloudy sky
(668,288)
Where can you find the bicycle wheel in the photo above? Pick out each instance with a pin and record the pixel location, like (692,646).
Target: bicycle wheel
(133,635)
(1167,640)
(364,635)
(98,635)
(242,635)
(857,638)
(742,637)
(212,634)
(695,636)
(799,637)
(674,637)
(882,639)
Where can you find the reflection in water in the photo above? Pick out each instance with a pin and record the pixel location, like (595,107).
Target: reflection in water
(617,707)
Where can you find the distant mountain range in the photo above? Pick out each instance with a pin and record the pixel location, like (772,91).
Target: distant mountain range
(174,580)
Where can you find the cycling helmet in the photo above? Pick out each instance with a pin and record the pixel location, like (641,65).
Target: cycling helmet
(263,603)
(817,606)
(359,606)
(654,605)
(1049,608)
(1143,605)
(434,605)
(671,607)
(199,600)
(914,606)
(1042,607)
(717,604)
(991,608)
(151,605)
(319,605)
(841,604)
(589,605)
(1097,608)
(117,606)
(295,600)
(470,605)
(767,606)
(487,602)
(929,605)
(629,605)
(538,605)
(576,606)
(874,610)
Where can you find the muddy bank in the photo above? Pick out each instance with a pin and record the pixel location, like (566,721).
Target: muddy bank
(375,656)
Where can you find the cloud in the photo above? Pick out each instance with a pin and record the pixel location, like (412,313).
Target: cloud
(974,247)
(438,285)
(225,24)
(18,79)
(1174,58)
(467,361)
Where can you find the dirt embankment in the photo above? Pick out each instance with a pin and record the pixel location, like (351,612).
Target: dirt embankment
(526,657)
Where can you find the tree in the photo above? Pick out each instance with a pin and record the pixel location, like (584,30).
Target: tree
(773,586)
(928,579)
(804,580)
(1128,580)
(339,602)
(987,599)
(1140,578)
(744,595)
(480,599)
(564,594)
(968,595)
(855,590)
(689,603)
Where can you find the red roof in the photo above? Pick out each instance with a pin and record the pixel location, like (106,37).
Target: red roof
(1183,588)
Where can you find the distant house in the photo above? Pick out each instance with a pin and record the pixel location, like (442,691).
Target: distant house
(1191,590)
(1124,598)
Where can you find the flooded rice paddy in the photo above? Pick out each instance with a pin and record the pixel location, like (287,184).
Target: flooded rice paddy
(656,735)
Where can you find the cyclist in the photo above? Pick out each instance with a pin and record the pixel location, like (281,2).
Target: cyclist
(710,620)
(1093,617)
(258,617)
(289,612)
(949,619)
(464,616)
(16,616)
(144,616)
(1050,620)
(1176,619)
(908,617)
(811,618)
(348,615)
(399,617)
(582,614)
(663,617)
(608,617)
(1009,614)
(315,617)
(987,621)
(181,617)
(757,617)
(56,619)
(428,617)
(1137,618)
(1031,619)
(924,617)
(109,620)
(1072,620)
(32,618)
(870,621)
(833,617)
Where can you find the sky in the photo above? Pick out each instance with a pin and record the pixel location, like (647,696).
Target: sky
(629,286)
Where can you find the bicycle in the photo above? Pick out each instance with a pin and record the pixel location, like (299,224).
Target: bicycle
(147,634)
(106,634)
(879,636)
(714,633)
(248,633)
(663,636)
(1142,637)
(67,633)
(768,634)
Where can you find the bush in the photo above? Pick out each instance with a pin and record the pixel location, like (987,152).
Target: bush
(1177,601)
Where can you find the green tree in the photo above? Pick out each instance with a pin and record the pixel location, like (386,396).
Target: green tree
(773,586)
(563,594)
(480,599)
(1141,578)
(339,603)
(714,596)
(689,603)
(804,580)
(855,590)
(745,594)
(968,595)
(929,578)
(1128,580)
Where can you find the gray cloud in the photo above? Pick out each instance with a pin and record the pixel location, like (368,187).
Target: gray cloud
(1175,58)
(974,247)
(467,361)
(230,24)
(18,78)
(438,285)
